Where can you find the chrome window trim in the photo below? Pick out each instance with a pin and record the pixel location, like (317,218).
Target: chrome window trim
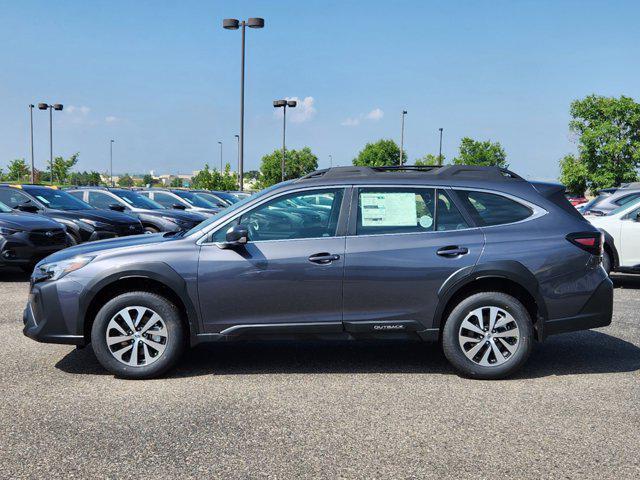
(222,221)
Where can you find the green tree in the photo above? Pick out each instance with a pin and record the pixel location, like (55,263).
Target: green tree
(383,153)
(297,164)
(61,167)
(84,178)
(252,175)
(125,181)
(176,182)
(18,170)
(430,159)
(574,174)
(474,152)
(608,130)
(147,180)
(207,179)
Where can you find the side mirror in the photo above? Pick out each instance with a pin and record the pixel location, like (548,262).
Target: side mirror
(178,206)
(237,236)
(28,207)
(116,207)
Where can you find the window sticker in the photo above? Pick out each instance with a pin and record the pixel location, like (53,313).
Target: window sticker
(42,199)
(425,221)
(395,209)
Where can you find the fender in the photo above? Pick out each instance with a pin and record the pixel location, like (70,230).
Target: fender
(505,269)
(158,271)
(608,241)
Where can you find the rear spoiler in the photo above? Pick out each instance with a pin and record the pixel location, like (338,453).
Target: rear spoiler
(548,190)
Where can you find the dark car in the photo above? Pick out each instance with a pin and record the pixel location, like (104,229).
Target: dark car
(154,217)
(25,238)
(181,200)
(474,257)
(83,222)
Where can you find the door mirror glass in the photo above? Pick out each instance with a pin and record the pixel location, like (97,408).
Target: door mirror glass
(236,236)
(178,206)
(116,207)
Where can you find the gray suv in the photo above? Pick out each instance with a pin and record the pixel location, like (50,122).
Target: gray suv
(474,257)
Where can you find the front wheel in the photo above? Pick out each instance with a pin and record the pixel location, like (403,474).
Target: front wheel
(138,335)
(488,335)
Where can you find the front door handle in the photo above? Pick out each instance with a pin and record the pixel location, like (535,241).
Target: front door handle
(324,258)
(453,251)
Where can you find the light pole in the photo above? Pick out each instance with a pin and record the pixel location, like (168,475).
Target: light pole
(111,160)
(220,143)
(51,108)
(234,24)
(284,104)
(404,112)
(330,161)
(440,151)
(238,142)
(31,105)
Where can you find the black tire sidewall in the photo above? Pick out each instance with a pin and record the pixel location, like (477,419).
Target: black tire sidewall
(607,262)
(175,330)
(456,356)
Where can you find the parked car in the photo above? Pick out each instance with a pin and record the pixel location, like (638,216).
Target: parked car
(180,200)
(153,216)
(622,242)
(219,199)
(475,257)
(606,202)
(576,200)
(25,238)
(83,222)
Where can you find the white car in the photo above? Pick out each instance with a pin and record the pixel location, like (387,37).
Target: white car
(622,237)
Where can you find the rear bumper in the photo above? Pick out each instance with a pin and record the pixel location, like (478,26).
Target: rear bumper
(597,312)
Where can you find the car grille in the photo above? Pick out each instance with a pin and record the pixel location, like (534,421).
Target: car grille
(47,237)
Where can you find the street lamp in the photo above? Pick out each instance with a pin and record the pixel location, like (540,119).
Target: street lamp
(220,143)
(440,151)
(111,160)
(31,105)
(331,161)
(404,112)
(234,24)
(238,148)
(284,104)
(51,108)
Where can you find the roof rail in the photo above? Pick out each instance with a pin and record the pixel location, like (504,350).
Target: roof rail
(408,168)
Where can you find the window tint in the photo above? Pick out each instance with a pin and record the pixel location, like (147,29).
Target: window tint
(165,199)
(12,198)
(57,199)
(292,216)
(448,217)
(395,210)
(101,200)
(492,209)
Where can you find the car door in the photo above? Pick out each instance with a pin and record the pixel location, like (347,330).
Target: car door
(630,240)
(403,243)
(288,276)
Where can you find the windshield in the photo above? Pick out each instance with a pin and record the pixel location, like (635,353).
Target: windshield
(58,199)
(139,201)
(229,197)
(215,199)
(193,199)
(592,203)
(4,208)
(626,206)
(236,206)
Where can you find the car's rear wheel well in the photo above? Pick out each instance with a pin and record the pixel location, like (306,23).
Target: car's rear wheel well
(612,255)
(493,284)
(131,284)
(151,225)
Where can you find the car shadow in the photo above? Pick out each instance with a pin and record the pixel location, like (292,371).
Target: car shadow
(13,275)
(623,280)
(570,354)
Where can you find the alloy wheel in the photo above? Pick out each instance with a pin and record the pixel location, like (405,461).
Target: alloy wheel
(489,336)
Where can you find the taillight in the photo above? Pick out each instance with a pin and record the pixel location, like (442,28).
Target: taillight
(592,242)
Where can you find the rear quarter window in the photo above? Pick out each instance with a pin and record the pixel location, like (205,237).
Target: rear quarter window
(493,209)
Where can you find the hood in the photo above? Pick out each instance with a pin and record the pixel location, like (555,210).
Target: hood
(27,221)
(95,248)
(105,216)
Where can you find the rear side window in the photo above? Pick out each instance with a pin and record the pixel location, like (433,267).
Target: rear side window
(626,199)
(492,209)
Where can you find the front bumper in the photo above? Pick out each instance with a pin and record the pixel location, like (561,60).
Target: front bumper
(597,312)
(19,250)
(51,314)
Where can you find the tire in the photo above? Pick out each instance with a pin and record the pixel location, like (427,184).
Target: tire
(158,346)
(607,263)
(514,325)
(150,229)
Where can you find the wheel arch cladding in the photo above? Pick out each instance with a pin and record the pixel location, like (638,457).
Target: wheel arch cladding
(508,277)
(154,277)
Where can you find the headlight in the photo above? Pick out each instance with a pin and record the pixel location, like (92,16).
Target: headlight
(56,270)
(8,231)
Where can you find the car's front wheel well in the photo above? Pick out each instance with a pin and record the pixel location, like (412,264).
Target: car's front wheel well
(494,284)
(131,284)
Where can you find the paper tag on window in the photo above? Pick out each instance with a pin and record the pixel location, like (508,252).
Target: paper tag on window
(388,209)
(425,221)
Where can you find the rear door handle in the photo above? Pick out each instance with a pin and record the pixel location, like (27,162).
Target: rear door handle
(324,258)
(453,251)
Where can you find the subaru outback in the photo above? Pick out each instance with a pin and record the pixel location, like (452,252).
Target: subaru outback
(476,258)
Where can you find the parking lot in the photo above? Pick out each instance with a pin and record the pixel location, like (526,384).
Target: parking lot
(366,410)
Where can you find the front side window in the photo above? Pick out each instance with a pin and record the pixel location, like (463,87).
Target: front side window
(291,217)
(492,209)
(13,198)
(165,199)
(101,200)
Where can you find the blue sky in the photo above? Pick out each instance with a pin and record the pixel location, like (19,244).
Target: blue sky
(161,78)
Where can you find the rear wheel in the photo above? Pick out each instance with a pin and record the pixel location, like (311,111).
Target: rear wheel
(150,229)
(138,335)
(488,335)
(607,264)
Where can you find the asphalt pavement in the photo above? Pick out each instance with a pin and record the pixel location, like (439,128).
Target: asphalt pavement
(323,409)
